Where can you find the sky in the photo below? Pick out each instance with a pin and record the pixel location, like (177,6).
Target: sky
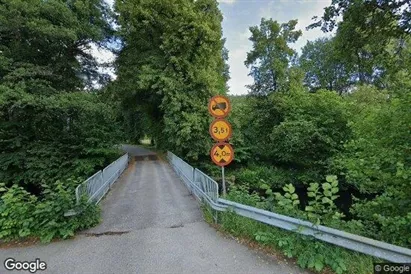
(240,15)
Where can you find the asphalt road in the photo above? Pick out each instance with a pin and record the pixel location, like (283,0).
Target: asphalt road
(150,225)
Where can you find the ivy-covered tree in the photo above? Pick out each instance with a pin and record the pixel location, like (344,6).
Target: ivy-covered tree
(271,55)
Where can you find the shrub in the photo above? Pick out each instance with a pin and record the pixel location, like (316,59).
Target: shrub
(309,252)
(376,160)
(49,138)
(274,176)
(25,215)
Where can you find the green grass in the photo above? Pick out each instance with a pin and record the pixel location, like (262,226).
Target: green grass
(308,252)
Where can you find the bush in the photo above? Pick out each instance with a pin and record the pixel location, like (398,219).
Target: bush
(364,138)
(275,177)
(44,139)
(298,129)
(309,252)
(376,160)
(313,129)
(25,215)
(256,175)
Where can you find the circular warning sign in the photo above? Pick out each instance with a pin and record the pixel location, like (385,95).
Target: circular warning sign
(220,130)
(219,106)
(222,154)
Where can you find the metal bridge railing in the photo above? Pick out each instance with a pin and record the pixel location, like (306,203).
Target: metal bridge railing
(97,185)
(206,189)
(206,184)
(198,183)
(184,170)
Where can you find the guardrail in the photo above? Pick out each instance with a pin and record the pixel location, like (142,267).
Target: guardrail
(206,189)
(198,183)
(206,184)
(97,185)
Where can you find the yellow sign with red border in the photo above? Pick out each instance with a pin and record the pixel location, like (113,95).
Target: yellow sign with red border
(222,154)
(220,130)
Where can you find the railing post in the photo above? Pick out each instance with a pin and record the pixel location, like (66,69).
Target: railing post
(77,194)
(194,175)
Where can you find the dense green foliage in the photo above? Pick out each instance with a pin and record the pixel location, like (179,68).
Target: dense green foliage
(388,17)
(308,252)
(290,140)
(341,108)
(44,44)
(270,56)
(54,137)
(27,215)
(298,131)
(364,138)
(172,62)
(323,66)
(51,129)
(372,41)
(377,160)
(48,128)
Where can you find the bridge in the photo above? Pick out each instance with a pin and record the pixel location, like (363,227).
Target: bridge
(150,224)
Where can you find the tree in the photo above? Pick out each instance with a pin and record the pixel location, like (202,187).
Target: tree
(388,17)
(271,55)
(398,65)
(376,161)
(44,45)
(371,34)
(45,132)
(44,139)
(363,51)
(226,71)
(53,134)
(170,65)
(322,66)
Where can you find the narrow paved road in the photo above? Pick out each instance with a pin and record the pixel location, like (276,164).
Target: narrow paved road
(150,225)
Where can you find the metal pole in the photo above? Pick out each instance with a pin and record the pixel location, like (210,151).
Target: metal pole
(224,191)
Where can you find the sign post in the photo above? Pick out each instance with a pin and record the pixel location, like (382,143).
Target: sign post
(221,153)
(223,179)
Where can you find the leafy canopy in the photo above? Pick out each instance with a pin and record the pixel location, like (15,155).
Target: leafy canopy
(271,55)
(45,44)
(172,62)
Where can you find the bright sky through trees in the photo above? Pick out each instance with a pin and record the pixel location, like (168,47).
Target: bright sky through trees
(239,15)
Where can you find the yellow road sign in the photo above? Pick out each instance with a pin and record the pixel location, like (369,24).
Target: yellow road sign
(219,106)
(220,130)
(222,154)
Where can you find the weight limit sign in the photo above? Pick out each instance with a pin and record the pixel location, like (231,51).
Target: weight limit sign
(220,130)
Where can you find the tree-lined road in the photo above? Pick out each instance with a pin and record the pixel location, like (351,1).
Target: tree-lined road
(151,224)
